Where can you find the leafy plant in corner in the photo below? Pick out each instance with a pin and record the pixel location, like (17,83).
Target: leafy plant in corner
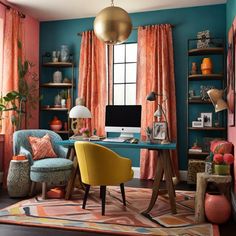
(27,90)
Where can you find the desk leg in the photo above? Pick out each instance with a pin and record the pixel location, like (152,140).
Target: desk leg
(156,185)
(163,166)
(169,182)
(71,181)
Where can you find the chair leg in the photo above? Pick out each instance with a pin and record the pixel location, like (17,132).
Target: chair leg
(103,193)
(32,188)
(44,190)
(122,189)
(86,195)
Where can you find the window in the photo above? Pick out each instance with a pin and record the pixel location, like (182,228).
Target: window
(124,74)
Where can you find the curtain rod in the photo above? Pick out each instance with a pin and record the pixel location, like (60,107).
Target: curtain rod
(134,28)
(9,7)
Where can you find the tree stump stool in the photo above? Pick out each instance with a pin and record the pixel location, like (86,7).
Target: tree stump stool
(222,181)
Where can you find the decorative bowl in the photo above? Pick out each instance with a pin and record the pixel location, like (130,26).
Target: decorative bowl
(56,127)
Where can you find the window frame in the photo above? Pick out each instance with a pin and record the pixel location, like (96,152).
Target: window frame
(125,80)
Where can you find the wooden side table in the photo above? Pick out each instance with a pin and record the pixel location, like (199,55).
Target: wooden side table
(202,180)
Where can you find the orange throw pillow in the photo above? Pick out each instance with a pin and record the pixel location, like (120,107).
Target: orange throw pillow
(41,147)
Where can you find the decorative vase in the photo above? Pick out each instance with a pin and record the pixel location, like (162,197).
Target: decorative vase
(55,124)
(217,208)
(65,53)
(57,77)
(221,169)
(194,68)
(206,66)
(57,100)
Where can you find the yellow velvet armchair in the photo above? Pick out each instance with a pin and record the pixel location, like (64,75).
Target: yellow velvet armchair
(100,166)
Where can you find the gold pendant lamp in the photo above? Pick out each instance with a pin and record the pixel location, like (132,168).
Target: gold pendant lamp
(112,25)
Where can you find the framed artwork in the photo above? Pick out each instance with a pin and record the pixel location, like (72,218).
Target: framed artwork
(231,75)
(159,130)
(207,119)
(203,39)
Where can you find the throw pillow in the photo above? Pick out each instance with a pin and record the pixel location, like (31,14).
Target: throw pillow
(221,147)
(41,147)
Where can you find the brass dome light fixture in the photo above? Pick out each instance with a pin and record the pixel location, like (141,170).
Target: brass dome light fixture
(112,25)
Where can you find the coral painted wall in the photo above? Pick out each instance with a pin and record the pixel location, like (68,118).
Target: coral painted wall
(230,15)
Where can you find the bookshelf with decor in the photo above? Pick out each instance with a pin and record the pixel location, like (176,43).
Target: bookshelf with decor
(206,70)
(56,88)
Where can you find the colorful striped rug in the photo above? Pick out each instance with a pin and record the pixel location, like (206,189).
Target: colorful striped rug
(119,220)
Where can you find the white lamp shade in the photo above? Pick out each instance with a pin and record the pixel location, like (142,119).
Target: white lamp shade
(80,111)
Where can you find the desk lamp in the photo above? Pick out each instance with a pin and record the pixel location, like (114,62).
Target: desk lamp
(78,112)
(159,112)
(216,97)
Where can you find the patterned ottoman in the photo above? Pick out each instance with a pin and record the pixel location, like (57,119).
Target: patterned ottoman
(194,166)
(18,180)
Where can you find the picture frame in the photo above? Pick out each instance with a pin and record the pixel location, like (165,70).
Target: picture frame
(159,130)
(203,39)
(207,119)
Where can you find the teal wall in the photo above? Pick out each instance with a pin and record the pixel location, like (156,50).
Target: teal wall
(187,21)
(230,13)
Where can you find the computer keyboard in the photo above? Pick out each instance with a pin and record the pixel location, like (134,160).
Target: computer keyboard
(116,140)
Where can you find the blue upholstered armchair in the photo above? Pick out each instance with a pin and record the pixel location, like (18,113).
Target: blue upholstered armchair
(48,171)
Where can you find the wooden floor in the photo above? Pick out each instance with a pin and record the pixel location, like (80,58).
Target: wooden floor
(228,229)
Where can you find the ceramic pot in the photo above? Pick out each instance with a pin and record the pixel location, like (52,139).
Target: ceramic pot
(55,124)
(65,54)
(217,208)
(221,169)
(57,77)
(194,68)
(57,100)
(206,66)
(55,121)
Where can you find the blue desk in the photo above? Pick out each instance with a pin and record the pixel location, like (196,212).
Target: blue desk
(164,167)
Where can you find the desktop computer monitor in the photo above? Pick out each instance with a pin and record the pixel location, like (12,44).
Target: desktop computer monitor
(123,119)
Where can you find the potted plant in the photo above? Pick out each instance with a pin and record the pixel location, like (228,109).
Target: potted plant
(222,163)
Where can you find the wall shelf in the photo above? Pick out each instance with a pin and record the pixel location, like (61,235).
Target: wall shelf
(206,51)
(56,85)
(53,109)
(58,64)
(196,83)
(199,101)
(207,128)
(206,77)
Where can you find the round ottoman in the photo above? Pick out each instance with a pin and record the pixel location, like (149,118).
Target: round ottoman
(51,171)
(18,181)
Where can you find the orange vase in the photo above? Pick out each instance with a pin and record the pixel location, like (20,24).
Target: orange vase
(55,124)
(206,66)
(219,214)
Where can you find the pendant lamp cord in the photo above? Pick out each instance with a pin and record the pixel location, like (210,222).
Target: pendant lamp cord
(112,3)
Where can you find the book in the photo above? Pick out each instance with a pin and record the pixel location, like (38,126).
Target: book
(195,150)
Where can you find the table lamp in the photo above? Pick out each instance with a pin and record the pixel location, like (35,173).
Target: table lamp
(159,112)
(216,97)
(78,112)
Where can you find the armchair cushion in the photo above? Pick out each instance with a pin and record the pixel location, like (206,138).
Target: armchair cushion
(41,147)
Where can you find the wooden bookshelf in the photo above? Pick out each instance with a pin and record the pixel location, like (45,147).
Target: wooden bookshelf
(206,51)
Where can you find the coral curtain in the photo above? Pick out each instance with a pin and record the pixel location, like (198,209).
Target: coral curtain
(92,86)
(11,52)
(156,73)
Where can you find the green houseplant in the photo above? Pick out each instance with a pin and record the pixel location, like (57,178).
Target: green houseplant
(18,101)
